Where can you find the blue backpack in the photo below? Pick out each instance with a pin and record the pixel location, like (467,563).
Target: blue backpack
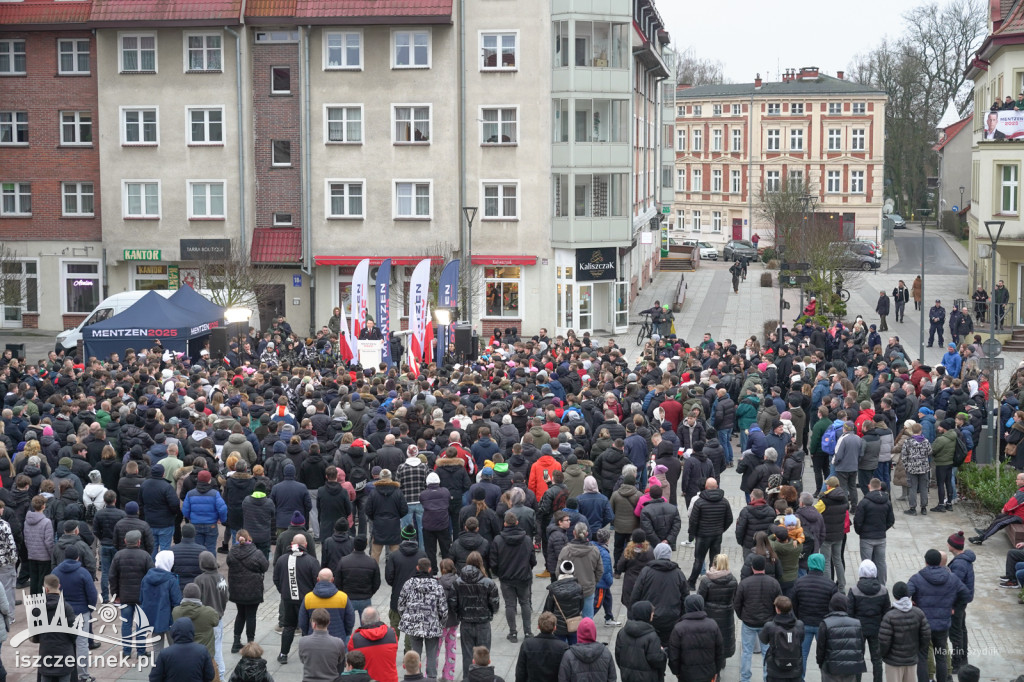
(831,437)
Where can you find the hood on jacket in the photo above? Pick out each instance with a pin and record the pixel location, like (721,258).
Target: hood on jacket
(165,560)
(325,590)
(182,631)
(693,603)
(716,495)
(470,574)
(816,562)
(588,653)
(936,575)
(208,562)
(374,631)
(904,604)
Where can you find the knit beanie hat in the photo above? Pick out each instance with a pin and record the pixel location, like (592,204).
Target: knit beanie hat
(956,540)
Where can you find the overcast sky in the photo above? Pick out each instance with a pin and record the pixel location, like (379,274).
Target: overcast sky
(751,36)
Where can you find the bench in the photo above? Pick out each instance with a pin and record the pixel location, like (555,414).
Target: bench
(1015,533)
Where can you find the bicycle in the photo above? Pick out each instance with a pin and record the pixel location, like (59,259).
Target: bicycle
(646,330)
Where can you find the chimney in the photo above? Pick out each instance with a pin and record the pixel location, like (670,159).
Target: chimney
(757,82)
(808,73)
(840,74)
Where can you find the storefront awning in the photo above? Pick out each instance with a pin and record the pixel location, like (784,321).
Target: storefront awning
(504,260)
(276,245)
(349,261)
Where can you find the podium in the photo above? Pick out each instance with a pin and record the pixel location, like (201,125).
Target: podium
(370,352)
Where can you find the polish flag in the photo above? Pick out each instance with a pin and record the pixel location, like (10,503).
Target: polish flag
(428,344)
(344,350)
(414,351)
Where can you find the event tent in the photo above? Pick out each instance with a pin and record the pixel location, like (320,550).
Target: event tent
(188,298)
(152,317)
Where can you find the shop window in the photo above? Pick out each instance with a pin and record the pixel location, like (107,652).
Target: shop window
(501,289)
(150,277)
(81,286)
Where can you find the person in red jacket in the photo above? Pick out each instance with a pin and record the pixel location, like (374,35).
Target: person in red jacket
(379,643)
(540,472)
(455,443)
(1013,512)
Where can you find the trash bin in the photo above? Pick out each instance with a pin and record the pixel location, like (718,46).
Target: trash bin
(983,447)
(18,350)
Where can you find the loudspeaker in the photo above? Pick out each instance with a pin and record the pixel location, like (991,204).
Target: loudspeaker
(464,342)
(218,342)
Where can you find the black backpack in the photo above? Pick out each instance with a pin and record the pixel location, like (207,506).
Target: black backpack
(960,450)
(358,479)
(786,650)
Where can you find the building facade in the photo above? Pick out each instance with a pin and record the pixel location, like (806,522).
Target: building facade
(733,142)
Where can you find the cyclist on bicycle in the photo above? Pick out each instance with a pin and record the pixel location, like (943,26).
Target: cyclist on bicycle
(656,312)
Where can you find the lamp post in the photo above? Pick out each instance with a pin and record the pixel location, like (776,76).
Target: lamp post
(806,200)
(924,217)
(990,227)
(469,213)
(443,317)
(961,204)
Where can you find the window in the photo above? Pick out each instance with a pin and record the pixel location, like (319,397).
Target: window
(835,108)
(857,182)
(835,139)
(412,199)
(697,109)
(499,126)
(138,126)
(698,140)
(207,199)
(857,139)
(141,199)
(344,198)
(796,140)
(601,44)
(343,50)
(281,153)
(1007,190)
(796,180)
(412,124)
(22,295)
(203,52)
(833,184)
(78,198)
(734,181)
(737,109)
(680,111)
(13,127)
(81,286)
(716,140)
(282,220)
(501,291)
(12,57)
(680,140)
(737,140)
(16,198)
(277,36)
(695,221)
(716,181)
(772,181)
(138,53)
(280,80)
(206,126)
(796,108)
(774,138)
(697,183)
(499,51)
(73,56)
(410,49)
(860,107)
(345,124)
(716,109)
(774,109)
(501,200)
(680,180)
(716,221)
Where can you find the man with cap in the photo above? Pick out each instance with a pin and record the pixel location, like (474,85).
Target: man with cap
(662,583)
(638,650)
(76,583)
(358,576)
(399,566)
(868,601)
(160,506)
(952,361)
(587,659)
(127,568)
(204,618)
(754,604)
(436,502)
(492,493)
(131,521)
(203,508)
(295,574)
(840,652)
(69,539)
(338,545)
(936,318)
(943,451)
(696,650)
(290,496)
(903,637)
(386,508)
(287,537)
(938,592)
(962,566)
(186,659)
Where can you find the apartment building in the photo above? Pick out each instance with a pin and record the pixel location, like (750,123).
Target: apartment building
(733,142)
(306,136)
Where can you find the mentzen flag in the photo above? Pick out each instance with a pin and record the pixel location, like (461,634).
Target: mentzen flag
(419,286)
(359,298)
(383,287)
(447,297)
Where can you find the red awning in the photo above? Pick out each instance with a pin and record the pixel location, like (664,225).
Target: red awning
(504,260)
(348,261)
(276,245)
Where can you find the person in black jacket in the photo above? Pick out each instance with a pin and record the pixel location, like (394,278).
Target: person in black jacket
(103,525)
(840,652)
(710,517)
(782,635)
(697,469)
(904,636)
(755,606)
(540,656)
(56,649)
(338,545)
(667,457)
(184,661)
(638,650)
(386,507)
(398,568)
(258,515)
(812,595)
(127,569)
(295,574)
(696,650)
(757,515)
(662,583)
(436,502)
(476,603)
(358,576)
(512,560)
(868,601)
(332,502)
(160,507)
(186,556)
(237,488)
(131,521)
(873,518)
(469,541)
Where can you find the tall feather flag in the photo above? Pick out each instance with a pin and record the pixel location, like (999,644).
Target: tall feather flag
(447,297)
(419,287)
(383,287)
(359,298)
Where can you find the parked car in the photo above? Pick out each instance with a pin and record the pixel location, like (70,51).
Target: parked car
(739,248)
(856,256)
(898,223)
(707,251)
(867,247)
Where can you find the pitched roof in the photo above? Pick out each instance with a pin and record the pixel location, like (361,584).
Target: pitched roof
(1013,21)
(951,131)
(353,11)
(44,13)
(270,8)
(196,12)
(276,245)
(822,85)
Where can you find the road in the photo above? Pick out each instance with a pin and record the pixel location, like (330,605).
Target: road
(939,258)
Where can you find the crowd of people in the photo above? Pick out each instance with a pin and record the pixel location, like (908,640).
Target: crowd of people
(557,465)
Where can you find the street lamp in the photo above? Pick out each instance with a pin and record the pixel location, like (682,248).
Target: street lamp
(990,227)
(469,213)
(925,212)
(961,204)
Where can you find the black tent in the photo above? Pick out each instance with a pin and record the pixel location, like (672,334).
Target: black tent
(186,297)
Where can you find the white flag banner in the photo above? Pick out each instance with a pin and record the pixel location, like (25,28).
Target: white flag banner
(359,299)
(419,286)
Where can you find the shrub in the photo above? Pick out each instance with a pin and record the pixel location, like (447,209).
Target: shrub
(769,254)
(981,484)
(766,279)
(773,264)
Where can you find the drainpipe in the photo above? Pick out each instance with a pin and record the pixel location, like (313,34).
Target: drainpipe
(307,232)
(750,170)
(241,139)
(467,266)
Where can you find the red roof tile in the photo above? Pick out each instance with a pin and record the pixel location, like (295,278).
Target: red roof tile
(363,11)
(193,11)
(276,245)
(44,13)
(270,8)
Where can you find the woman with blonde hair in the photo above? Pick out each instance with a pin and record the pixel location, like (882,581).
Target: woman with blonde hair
(718,588)
(7,473)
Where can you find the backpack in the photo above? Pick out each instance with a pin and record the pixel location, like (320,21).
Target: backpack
(786,650)
(90,512)
(358,479)
(828,443)
(960,451)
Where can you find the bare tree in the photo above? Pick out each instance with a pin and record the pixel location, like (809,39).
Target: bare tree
(694,70)
(236,281)
(13,284)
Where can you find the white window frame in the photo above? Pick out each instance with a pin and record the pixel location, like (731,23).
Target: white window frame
(76,126)
(141,216)
(795,176)
(430,199)
(857,181)
(698,140)
(694,220)
(774,108)
(716,109)
(98,276)
(329,198)
(772,181)
(1013,185)
(501,185)
(697,109)
(275,222)
(186,51)
(395,32)
(123,122)
(206,126)
(680,179)
(499,49)
(735,181)
(343,64)
(737,141)
(190,185)
(11,52)
(139,50)
(835,139)
(716,221)
(835,108)
(14,125)
(681,111)
(344,123)
(833,182)
(796,139)
(499,123)
(273,162)
(412,123)
(697,180)
(717,135)
(716,180)
(737,109)
(75,53)
(796,108)
(858,139)
(77,190)
(773,140)
(517,281)
(859,108)
(19,194)
(280,92)
(681,135)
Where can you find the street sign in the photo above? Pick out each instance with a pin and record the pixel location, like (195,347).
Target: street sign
(992,347)
(990,363)
(796,266)
(793,280)
(955,209)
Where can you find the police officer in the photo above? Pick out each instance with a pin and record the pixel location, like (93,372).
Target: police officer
(936,317)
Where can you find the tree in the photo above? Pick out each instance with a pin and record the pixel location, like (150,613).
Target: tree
(236,281)
(694,70)
(13,284)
